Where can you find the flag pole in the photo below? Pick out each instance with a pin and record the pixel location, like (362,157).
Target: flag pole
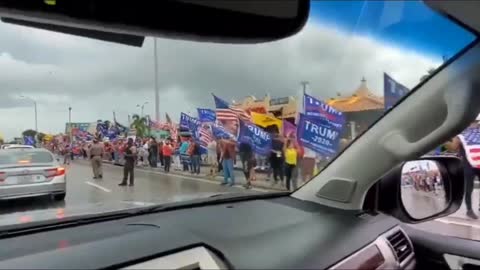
(304,84)
(157,93)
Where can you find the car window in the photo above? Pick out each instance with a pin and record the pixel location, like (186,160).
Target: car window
(10,157)
(228,118)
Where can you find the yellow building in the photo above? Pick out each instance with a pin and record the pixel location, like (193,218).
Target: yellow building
(362,99)
(361,109)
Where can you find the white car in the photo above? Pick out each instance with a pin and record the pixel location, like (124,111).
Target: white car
(31,172)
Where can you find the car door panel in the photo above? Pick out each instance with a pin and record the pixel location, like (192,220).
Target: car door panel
(443,252)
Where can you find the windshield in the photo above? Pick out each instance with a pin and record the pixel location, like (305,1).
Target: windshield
(10,157)
(228,119)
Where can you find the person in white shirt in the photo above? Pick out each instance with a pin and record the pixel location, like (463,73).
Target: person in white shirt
(143,153)
(212,157)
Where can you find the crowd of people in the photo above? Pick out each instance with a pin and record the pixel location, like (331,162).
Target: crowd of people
(425,181)
(287,162)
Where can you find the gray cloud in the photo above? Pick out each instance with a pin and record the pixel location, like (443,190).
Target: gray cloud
(9,101)
(98,77)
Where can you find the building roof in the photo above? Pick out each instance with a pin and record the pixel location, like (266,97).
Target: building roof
(361,100)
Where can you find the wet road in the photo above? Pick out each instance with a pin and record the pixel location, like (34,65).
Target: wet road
(85,194)
(420,204)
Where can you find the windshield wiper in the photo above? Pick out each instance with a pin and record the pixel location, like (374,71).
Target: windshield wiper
(40,226)
(211,200)
(44,225)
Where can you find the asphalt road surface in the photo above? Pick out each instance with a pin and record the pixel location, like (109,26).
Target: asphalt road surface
(86,195)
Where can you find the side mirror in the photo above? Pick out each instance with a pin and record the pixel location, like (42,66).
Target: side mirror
(423,189)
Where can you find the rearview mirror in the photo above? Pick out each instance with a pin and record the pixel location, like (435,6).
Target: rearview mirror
(423,189)
(129,21)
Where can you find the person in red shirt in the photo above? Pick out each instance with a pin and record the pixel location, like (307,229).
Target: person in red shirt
(167,151)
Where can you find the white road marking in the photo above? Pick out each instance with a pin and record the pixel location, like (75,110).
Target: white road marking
(97,186)
(447,221)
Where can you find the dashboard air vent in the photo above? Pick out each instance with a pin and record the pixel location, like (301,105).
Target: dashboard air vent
(400,244)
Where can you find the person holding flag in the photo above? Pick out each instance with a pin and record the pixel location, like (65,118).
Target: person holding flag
(228,155)
(277,159)
(465,144)
(212,157)
(248,164)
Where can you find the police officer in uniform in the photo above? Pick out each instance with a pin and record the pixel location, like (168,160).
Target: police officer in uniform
(96,154)
(130,159)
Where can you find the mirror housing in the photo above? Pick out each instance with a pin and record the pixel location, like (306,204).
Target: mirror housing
(128,22)
(390,190)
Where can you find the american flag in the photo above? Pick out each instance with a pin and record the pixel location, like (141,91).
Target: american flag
(227,113)
(157,125)
(173,132)
(470,139)
(242,114)
(169,120)
(172,128)
(205,135)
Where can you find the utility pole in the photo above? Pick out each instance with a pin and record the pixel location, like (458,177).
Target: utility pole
(157,94)
(70,123)
(36,118)
(304,84)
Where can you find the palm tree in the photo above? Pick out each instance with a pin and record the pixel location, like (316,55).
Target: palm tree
(141,125)
(29,133)
(429,72)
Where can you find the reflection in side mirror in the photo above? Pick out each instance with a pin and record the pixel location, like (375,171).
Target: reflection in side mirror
(423,191)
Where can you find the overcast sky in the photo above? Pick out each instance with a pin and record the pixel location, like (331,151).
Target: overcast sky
(96,78)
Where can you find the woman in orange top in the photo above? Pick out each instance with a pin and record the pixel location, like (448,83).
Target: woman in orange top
(167,151)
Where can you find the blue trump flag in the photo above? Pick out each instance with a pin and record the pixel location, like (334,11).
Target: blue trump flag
(316,107)
(29,140)
(194,125)
(259,139)
(206,115)
(392,91)
(319,135)
(189,122)
(219,132)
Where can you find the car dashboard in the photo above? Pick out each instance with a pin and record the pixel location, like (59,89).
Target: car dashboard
(267,233)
